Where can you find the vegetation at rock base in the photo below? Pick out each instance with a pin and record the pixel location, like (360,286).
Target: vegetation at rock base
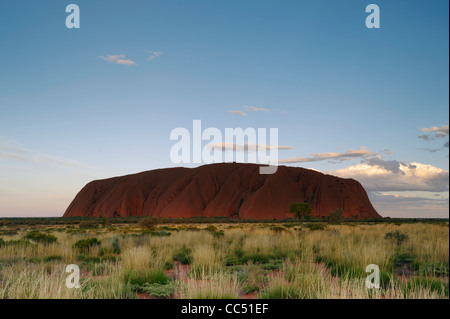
(268,259)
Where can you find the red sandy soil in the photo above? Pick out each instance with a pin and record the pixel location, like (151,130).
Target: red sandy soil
(144,295)
(179,272)
(221,190)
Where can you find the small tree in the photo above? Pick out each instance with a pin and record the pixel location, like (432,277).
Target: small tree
(336,216)
(148,222)
(104,222)
(301,210)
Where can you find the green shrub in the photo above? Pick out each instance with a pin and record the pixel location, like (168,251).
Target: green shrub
(88,224)
(169,265)
(157,290)
(8,232)
(239,253)
(434,285)
(396,236)
(115,245)
(20,242)
(232,261)
(403,258)
(108,258)
(317,227)
(2,242)
(160,233)
(262,258)
(211,228)
(86,244)
(219,234)
(184,256)
(52,258)
(432,269)
(249,289)
(278,229)
(136,278)
(88,259)
(148,222)
(281,292)
(336,216)
(75,231)
(38,237)
(301,210)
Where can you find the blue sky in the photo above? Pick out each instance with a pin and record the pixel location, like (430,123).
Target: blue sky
(329,84)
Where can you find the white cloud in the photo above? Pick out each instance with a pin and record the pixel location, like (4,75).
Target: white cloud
(316,157)
(153,55)
(117,59)
(375,174)
(444,129)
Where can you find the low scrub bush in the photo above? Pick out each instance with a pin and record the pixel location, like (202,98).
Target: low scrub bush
(396,236)
(317,227)
(52,258)
(88,224)
(41,238)
(157,290)
(184,256)
(157,233)
(211,228)
(219,234)
(148,222)
(138,278)
(434,285)
(20,242)
(86,244)
(116,245)
(336,216)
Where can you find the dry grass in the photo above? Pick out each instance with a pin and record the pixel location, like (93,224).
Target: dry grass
(293,263)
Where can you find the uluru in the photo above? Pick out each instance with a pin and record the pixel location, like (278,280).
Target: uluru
(221,190)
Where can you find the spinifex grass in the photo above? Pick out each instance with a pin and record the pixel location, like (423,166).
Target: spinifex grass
(295,262)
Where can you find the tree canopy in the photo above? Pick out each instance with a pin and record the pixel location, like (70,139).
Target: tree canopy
(301,210)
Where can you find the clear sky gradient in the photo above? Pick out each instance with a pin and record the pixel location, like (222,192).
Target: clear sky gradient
(101,101)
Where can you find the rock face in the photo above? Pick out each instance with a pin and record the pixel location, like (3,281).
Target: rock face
(225,190)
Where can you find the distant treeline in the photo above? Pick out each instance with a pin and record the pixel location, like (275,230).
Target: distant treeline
(12,221)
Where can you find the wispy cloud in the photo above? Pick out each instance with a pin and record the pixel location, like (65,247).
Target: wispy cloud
(244,148)
(425,137)
(250,109)
(316,157)
(255,109)
(13,152)
(153,55)
(117,59)
(238,112)
(430,150)
(439,132)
